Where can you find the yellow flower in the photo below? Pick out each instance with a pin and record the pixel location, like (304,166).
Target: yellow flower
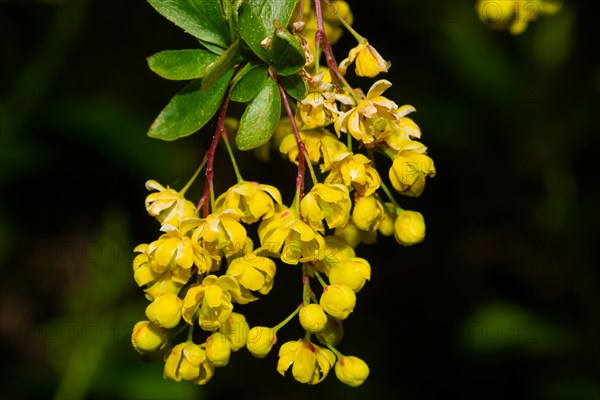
(211,301)
(338,300)
(290,238)
(187,361)
(351,272)
(368,213)
(144,272)
(329,201)
(221,230)
(273,231)
(166,283)
(409,228)
(177,250)
(404,131)
(516,14)
(168,206)
(261,340)
(253,199)
(353,170)
(236,330)
(311,362)
(410,168)
(312,318)
(369,62)
(148,337)
(373,119)
(351,370)
(336,249)
(319,143)
(253,272)
(218,349)
(302,244)
(317,109)
(165,310)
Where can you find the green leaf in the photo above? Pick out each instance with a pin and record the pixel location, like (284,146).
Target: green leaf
(287,53)
(180,64)
(225,62)
(258,18)
(189,110)
(260,118)
(213,48)
(271,12)
(250,84)
(200,18)
(252,31)
(294,85)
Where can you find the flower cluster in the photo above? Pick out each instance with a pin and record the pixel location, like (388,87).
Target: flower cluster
(214,256)
(514,15)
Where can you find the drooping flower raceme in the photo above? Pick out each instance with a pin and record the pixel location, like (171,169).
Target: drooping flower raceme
(233,242)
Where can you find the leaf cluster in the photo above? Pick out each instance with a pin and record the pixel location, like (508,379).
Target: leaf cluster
(239,42)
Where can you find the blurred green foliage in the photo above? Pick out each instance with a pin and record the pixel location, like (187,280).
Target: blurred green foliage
(501,301)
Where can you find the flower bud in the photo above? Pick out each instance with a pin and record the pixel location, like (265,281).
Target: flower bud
(313,318)
(333,333)
(218,349)
(351,272)
(261,340)
(165,311)
(148,337)
(386,227)
(235,329)
(338,300)
(351,370)
(368,213)
(350,233)
(409,170)
(409,228)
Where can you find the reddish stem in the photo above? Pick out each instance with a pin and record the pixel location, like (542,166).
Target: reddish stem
(321,38)
(301,148)
(210,154)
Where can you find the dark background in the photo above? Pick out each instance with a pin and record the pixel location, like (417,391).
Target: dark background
(501,301)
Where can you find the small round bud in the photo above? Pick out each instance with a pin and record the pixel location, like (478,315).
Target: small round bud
(336,248)
(352,272)
(338,300)
(165,310)
(409,228)
(313,318)
(368,213)
(218,349)
(235,329)
(333,333)
(386,228)
(260,341)
(351,370)
(349,233)
(148,337)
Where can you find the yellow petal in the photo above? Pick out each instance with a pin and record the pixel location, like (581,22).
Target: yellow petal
(214,296)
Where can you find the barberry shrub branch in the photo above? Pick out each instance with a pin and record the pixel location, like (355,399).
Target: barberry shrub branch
(215,254)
